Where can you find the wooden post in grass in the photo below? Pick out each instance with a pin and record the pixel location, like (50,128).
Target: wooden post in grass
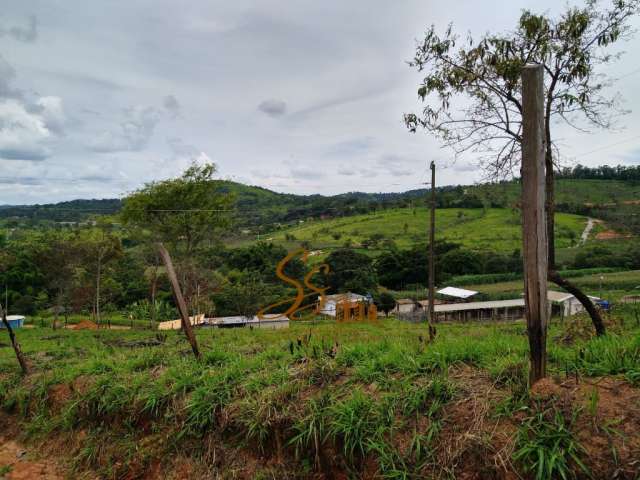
(534,226)
(432,268)
(16,346)
(177,294)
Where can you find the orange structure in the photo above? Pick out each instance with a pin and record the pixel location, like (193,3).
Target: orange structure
(353,312)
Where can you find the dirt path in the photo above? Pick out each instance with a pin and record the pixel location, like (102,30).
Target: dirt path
(587,231)
(18,463)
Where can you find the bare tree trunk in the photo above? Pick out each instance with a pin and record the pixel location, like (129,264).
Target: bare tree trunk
(16,346)
(553,274)
(177,293)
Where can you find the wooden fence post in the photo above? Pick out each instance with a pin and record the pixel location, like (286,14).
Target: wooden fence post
(177,293)
(534,225)
(24,366)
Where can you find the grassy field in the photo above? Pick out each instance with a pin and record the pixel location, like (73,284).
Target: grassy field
(614,285)
(495,229)
(330,401)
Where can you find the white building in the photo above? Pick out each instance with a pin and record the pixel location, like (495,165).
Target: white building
(565,304)
(330,302)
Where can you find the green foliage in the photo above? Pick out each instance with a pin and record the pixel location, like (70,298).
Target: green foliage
(371,391)
(547,448)
(183,211)
(385,302)
(484,76)
(350,271)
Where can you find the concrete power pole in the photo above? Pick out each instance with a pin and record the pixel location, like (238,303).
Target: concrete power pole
(534,226)
(432,268)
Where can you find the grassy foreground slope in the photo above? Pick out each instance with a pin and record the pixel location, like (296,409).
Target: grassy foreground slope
(495,228)
(328,401)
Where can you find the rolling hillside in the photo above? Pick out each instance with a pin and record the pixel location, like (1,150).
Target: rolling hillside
(491,229)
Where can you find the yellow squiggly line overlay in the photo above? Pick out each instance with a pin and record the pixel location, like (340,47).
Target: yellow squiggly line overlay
(300,295)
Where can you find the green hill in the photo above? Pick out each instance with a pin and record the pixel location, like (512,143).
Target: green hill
(608,193)
(496,229)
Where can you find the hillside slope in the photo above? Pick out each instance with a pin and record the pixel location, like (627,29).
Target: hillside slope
(482,229)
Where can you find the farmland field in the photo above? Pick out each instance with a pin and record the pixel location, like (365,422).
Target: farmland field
(613,285)
(496,229)
(372,401)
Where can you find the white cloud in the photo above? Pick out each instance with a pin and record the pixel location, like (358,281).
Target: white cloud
(23,134)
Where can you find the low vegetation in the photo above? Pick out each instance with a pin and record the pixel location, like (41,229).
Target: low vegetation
(324,399)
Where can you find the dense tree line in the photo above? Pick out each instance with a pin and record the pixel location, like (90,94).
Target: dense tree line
(603,172)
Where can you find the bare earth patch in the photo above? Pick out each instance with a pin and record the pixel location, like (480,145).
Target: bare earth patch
(20,465)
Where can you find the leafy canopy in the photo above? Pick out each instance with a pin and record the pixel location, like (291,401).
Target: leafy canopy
(183,211)
(471,89)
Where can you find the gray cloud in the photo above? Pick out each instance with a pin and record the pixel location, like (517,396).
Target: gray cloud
(27,152)
(273,108)
(305,173)
(351,147)
(7,76)
(26,180)
(132,135)
(395,166)
(346,172)
(27,33)
(172,106)
(330,79)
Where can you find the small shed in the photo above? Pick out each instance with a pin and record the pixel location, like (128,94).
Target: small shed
(424,304)
(565,304)
(14,321)
(458,294)
(405,305)
(329,302)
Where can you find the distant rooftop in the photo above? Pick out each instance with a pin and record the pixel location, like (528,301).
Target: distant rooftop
(457,292)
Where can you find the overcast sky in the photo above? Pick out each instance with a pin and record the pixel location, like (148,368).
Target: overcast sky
(301,96)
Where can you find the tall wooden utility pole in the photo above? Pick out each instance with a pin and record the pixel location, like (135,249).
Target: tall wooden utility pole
(180,303)
(432,267)
(534,226)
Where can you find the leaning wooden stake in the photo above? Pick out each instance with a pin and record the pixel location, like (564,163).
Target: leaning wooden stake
(534,227)
(177,293)
(16,346)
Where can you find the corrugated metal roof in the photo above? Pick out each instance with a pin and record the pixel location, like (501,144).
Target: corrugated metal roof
(239,319)
(404,301)
(457,292)
(554,296)
(340,297)
(457,307)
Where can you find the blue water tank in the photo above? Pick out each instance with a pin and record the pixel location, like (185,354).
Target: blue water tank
(15,321)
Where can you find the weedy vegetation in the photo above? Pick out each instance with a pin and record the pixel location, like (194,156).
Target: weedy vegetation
(319,399)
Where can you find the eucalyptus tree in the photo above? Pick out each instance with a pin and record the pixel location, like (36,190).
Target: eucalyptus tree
(471,91)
